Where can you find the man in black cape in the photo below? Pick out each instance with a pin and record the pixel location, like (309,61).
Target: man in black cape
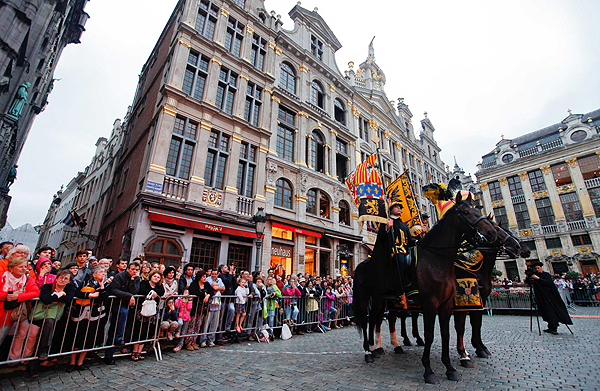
(548,300)
(389,257)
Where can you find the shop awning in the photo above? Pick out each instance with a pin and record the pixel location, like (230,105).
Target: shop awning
(198,222)
(297,230)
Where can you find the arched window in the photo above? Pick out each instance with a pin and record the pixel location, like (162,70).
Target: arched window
(316,95)
(344,213)
(287,79)
(339,112)
(165,251)
(317,203)
(283,193)
(315,151)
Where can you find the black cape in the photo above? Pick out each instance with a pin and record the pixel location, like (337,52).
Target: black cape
(548,300)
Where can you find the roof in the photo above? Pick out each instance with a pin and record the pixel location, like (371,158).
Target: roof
(318,22)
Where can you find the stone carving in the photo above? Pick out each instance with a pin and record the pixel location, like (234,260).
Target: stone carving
(591,221)
(303,182)
(537,229)
(562,226)
(16,108)
(271,173)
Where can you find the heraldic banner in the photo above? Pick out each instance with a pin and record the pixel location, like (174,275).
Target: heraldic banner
(401,191)
(366,188)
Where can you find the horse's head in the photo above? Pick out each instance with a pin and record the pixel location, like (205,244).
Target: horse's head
(472,217)
(511,245)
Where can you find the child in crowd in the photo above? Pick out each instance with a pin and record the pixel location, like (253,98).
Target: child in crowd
(184,307)
(170,319)
(241,296)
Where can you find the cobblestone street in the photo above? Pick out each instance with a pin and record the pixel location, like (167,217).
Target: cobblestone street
(521,360)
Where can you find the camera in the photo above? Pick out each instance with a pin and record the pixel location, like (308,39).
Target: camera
(529,271)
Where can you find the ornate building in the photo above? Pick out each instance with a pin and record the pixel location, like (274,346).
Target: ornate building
(33,34)
(545,187)
(233,113)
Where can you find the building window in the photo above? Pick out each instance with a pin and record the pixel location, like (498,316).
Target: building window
(163,251)
(287,79)
(581,240)
(514,185)
(196,74)
(317,202)
(226,90)
(495,191)
(501,218)
(204,253)
(589,166)
(363,129)
(571,206)
(561,174)
(545,212)
(234,36)
(341,159)
(316,94)
(344,213)
(507,158)
(552,243)
(246,170)
(283,194)
(253,103)
(530,245)
(522,215)
(578,135)
(239,256)
(316,47)
(241,4)
(183,141)
(316,152)
(207,19)
(339,112)
(216,159)
(536,180)
(285,134)
(595,198)
(258,51)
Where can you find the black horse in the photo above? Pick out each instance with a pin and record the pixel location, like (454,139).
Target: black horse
(506,242)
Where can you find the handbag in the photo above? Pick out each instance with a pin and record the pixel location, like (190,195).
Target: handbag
(148,306)
(11,305)
(20,313)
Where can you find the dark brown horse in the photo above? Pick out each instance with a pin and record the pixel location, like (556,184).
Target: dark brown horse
(505,242)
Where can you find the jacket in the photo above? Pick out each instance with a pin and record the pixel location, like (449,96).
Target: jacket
(183,284)
(184,308)
(31,291)
(124,287)
(52,306)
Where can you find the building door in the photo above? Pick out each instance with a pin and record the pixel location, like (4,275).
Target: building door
(324,263)
(589,266)
(559,267)
(512,272)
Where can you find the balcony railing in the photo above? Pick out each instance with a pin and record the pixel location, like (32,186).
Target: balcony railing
(579,224)
(488,164)
(552,145)
(528,152)
(549,229)
(175,188)
(518,199)
(245,205)
(591,183)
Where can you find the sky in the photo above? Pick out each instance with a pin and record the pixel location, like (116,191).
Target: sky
(480,69)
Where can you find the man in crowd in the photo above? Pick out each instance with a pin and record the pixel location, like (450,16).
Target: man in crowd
(124,286)
(5,247)
(119,267)
(84,273)
(212,320)
(186,278)
(230,285)
(547,298)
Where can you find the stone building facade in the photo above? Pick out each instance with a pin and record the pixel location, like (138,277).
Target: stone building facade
(545,187)
(33,34)
(233,113)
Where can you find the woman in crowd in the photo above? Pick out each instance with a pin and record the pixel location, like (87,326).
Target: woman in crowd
(202,292)
(329,312)
(145,270)
(291,305)
(20,251)
(260,294)
(144,327)
(312,305)
(273,294)
(170,283)
(340,303)
(88,317)
(43,273)
(241,297)
(15,287)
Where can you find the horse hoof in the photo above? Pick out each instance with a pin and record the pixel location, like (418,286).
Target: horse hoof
(407,342)
(453,375)
(420,342)
(369,358)
(487,351)
(375,354)
(431,379)
(467,364)
(380,351)
(482,354)
(399,350)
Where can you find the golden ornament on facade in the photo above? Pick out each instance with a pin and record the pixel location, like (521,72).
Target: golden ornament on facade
(219,63)
(545,169)
(540,194)
(483,186)
(276,99)
(184,43)
(249,29)
(584,249)
(526,232)
(224,12)
(373,124)
(572,162)
(303,68)
(278,51)
(355,112)
(523,175)
(331,88)
(497,204)
(565,188)
(503,181)
(398,145)
(272,44)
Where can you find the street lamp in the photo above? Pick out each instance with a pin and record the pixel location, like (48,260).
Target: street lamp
(260,218)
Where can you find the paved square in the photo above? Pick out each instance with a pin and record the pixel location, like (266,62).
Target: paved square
(521,360)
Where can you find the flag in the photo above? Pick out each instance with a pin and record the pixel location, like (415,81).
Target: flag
(366,188)
(401,191)
(70,220)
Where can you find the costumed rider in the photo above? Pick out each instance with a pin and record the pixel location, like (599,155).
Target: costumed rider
(548,300)
(391,253)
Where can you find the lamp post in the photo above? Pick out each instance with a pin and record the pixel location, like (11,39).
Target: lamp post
(260,218)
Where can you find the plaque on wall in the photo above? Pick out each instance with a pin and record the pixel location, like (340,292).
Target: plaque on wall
(212,198)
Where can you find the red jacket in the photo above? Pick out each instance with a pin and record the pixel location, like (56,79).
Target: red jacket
(31,291)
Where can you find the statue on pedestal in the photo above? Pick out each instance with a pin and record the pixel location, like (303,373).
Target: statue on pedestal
(16,108)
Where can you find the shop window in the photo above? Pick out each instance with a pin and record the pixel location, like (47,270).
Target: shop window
(239,256)
(164,251)
(204,253)
(311,240)
(282,233)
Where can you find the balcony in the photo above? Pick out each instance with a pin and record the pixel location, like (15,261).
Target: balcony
(245,205)
(549,229)
(528,152)
(591,183)
(518,199)
(574,225)
(552,145)
(175,188)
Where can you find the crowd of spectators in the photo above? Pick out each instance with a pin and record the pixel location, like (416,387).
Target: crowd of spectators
(122,305)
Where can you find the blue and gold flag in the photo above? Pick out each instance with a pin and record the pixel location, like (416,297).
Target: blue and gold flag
(366,188)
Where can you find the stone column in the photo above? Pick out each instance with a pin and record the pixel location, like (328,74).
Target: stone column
(178,63)
(159,154)
(261,177)
(190,12)
(270,66)
(507,199)
(584,197)
(273,125)
(196,186)
(559,214)
(333,153)
(221,27)
(300,138)
(210,91)
(239,102)
(247,43)
(231,191)
(530,201)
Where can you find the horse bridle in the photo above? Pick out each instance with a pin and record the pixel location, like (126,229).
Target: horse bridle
(474,225)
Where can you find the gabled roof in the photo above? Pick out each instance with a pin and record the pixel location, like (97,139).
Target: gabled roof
(318,23)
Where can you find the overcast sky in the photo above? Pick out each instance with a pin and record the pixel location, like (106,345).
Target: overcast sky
(480,69)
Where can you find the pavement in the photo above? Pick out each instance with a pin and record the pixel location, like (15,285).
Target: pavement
(521,360)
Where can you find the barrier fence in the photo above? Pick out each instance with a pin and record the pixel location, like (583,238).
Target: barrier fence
(518,298)
(46,331)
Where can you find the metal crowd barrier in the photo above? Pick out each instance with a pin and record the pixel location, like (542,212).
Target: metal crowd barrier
(518,298)
(90,325)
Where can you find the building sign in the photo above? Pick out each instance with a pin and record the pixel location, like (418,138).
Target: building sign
(212,198)
(297,230)
(281,250)
(154,186)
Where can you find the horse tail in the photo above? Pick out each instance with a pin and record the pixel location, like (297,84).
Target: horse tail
(360,298)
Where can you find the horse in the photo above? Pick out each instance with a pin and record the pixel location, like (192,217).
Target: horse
(513,247)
